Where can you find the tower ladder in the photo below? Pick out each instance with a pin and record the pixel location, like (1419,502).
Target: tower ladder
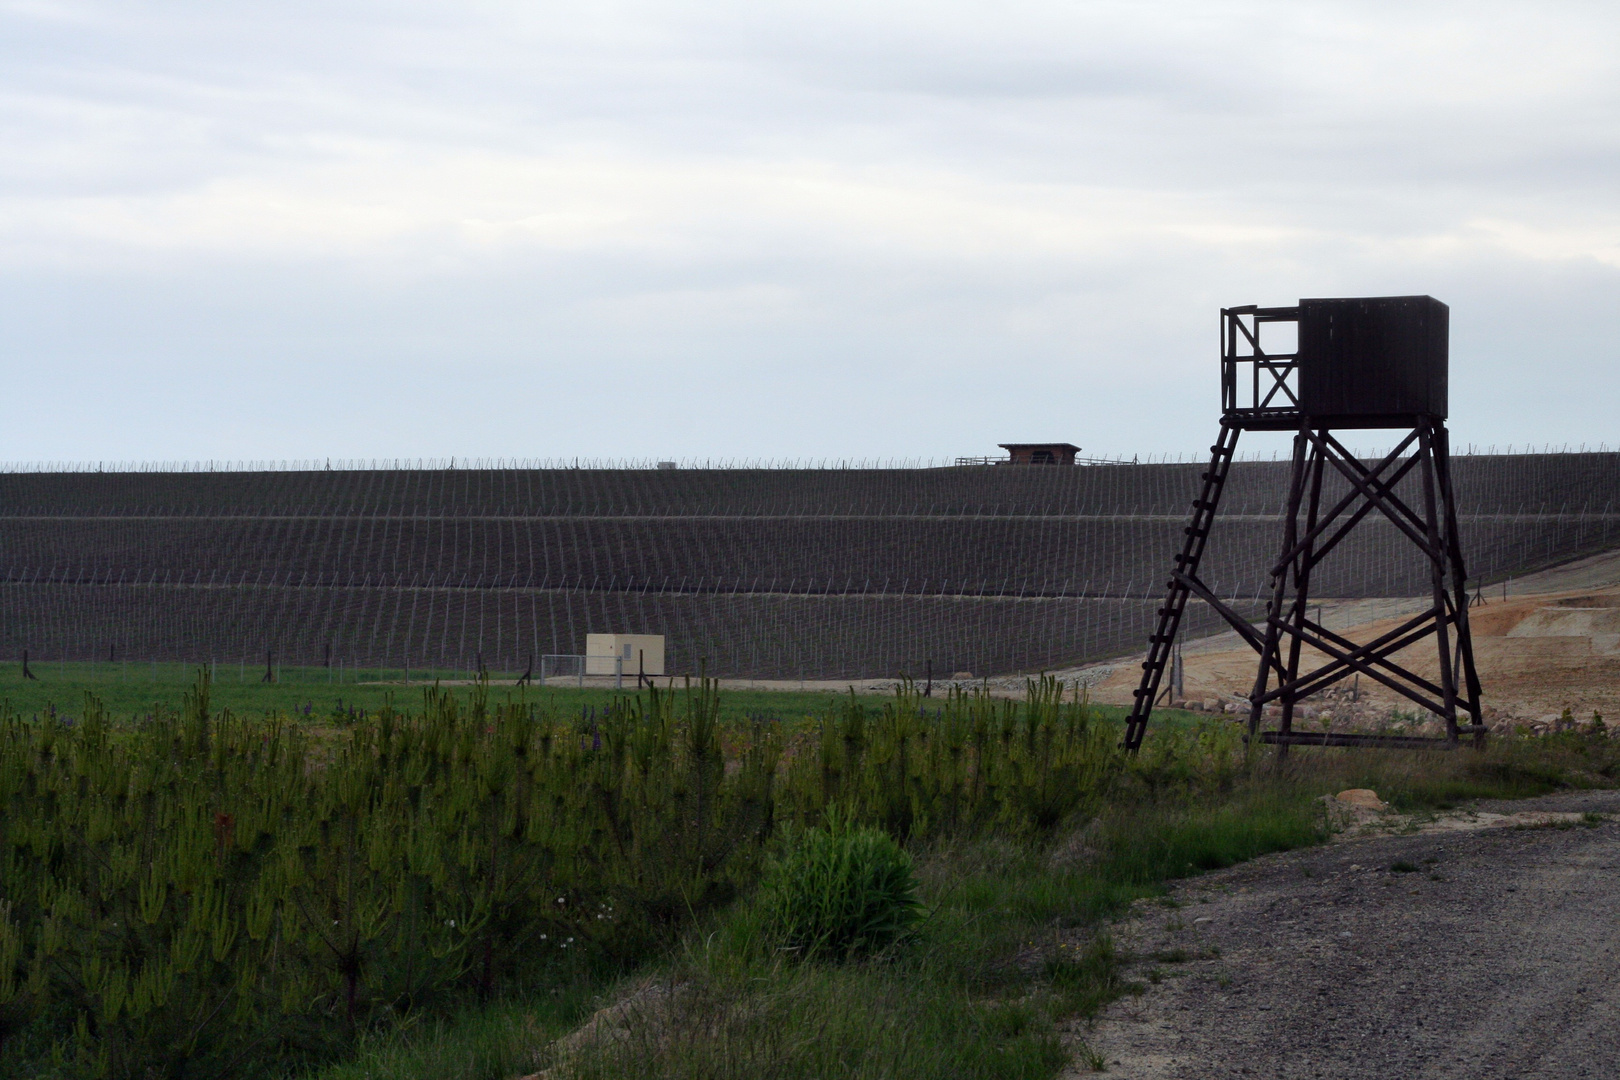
(1183,582)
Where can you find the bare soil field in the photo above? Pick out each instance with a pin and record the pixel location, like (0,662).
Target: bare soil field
(1480,945)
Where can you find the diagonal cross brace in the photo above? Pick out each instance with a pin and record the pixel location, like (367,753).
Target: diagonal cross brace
(1327,519)
(1361,512)
(1379,652)
(1243,626)
(1245,629)
(1383,499)
(1329,674)
(1279,374)
(1412,516)
(1362,667)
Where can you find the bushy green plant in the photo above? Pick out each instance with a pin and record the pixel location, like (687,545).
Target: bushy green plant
(838,891)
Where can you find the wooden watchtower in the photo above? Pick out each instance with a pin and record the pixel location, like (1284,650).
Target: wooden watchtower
(1371,362)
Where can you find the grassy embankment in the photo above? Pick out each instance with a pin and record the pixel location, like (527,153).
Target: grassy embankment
(397,896)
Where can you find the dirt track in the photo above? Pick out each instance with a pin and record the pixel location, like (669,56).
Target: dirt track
(1498,958)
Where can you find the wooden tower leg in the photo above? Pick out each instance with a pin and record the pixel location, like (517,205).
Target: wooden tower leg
(1438,573)
(1299,616)
(1462,661)
(1270,652)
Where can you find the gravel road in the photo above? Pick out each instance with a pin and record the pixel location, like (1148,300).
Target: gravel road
(1499,957)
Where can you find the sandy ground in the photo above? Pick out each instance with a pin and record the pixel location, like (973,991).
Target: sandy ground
(1498,958)
(1552,643)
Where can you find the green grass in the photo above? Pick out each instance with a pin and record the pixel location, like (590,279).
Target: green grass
(1013,947)
(1511,767)
(133,689)
(493,1042)
(399,867)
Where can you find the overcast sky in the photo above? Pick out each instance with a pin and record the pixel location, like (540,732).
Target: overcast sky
(745,230)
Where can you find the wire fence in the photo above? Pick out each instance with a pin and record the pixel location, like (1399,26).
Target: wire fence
(483,464)
(804,573)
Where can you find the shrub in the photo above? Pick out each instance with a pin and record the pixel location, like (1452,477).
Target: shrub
(839,891)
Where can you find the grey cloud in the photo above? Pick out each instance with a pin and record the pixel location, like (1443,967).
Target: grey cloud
(657,229)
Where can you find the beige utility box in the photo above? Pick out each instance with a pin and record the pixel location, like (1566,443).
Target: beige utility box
(627,654)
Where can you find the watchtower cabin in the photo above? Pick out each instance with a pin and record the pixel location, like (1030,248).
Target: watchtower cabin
(1051,453)
(1367,362)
